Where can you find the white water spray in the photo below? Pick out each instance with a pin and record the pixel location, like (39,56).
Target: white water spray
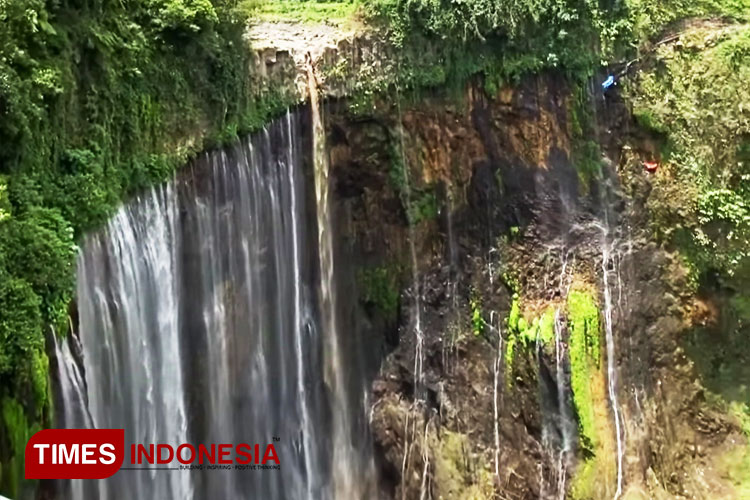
(611,365)
(567,422)
(607,258)
(495,396)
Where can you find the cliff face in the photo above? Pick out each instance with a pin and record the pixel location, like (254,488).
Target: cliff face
(543,314)
(531,321)
(538,346)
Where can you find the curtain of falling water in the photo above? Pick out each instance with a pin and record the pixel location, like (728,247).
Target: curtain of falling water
(198,324)
(349,471)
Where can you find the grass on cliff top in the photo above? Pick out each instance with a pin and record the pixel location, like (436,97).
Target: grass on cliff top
(339,14)
(647,18)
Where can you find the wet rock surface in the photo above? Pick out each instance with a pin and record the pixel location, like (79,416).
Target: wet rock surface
(502,209)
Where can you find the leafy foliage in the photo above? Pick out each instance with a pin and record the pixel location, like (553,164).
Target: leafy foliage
(379,287)
(647,17)
(19,431)
(39,249)
(475,304)
(97,100)
(707,126)
(442,43)
(540,331)
(423,206)
(183,15)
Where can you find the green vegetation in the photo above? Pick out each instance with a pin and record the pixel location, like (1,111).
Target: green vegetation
(4,201)
(533,35)
(693,99)
(423,206)
(544,326)
(735,464)
(541,330)
(420,203)
(702,203)
(719,352)
(477,323)
(648,17)
(342,14)
(521,334)
(583,325)
(586,155)
(101,99)
(585,477)
(457,475)
(441,44)
(18,432)
(379,287)
(514,318)
(595,474)
(98,100)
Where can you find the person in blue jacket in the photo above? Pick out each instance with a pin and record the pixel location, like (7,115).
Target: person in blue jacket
(606,84)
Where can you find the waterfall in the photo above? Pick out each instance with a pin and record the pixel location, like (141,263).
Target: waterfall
(567,420)
(419,394)
(416,292)
(568,423)
(128,299)
(610,264)
(345,459)
(199,323)
(73,410)
(611,368)
(497,368)
(608,245)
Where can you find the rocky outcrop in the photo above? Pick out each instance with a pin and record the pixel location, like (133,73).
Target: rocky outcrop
(345,59)
(488,191)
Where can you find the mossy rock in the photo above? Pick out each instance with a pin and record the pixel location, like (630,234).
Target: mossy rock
(583,325)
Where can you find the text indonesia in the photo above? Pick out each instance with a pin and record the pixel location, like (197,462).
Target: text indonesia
(99,453)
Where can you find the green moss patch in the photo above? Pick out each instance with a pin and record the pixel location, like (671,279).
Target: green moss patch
(735,465)
(456,474)
(378,287)
(523,334)
(17,432)
(583,325)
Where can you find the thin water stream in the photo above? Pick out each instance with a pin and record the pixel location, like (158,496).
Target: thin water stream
(609,245)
